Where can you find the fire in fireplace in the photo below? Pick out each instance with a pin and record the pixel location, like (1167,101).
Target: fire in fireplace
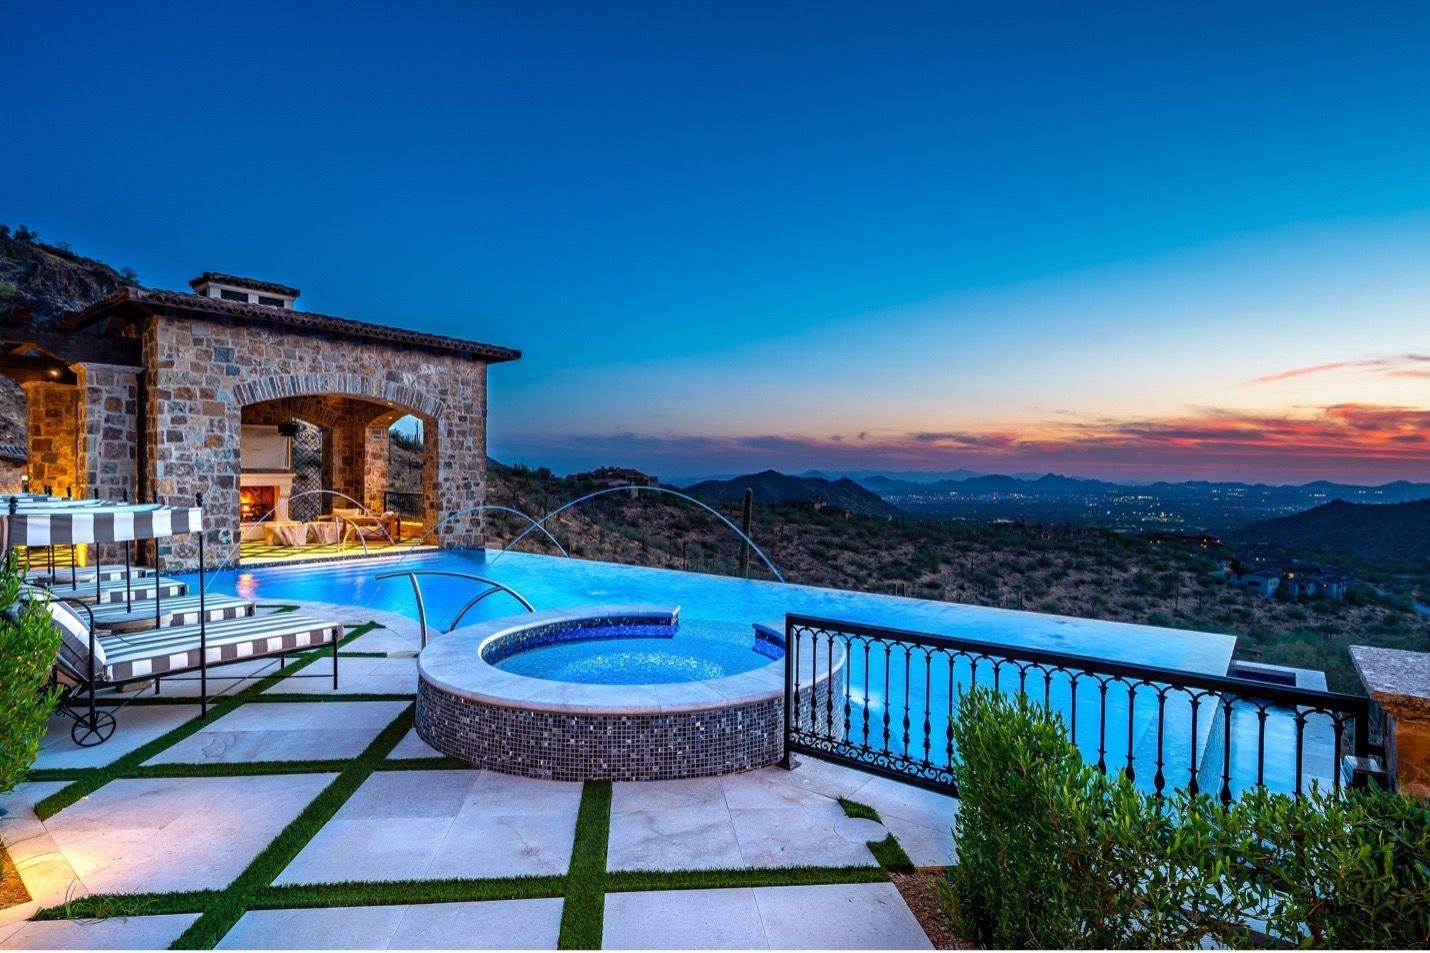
(256,503)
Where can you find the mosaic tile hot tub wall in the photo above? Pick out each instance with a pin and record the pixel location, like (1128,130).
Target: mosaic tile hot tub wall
(573,746)
(566,746)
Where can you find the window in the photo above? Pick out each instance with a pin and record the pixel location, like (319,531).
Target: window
(271,302)
(227,295)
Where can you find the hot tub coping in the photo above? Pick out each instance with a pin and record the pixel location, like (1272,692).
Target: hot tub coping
(454,663)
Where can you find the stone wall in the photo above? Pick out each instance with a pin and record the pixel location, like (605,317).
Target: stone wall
(108,428)
(203,372)
(54,451)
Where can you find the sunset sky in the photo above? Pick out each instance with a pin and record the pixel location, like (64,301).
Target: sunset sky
(1118,240)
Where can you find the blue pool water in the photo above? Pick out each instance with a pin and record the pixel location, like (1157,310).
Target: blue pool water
(877,687)
(551,582)
(644,655)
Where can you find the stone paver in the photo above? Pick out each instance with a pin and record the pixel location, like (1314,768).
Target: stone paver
(136,725)
(411,747)
(487,925)
(842,916)
(45,871)
(163,834)
(117,933)
(724,919)
(437,824)
(839,917)
(285,731)
(762,818)
(397,676)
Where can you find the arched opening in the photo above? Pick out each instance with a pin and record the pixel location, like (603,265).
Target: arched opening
(331,474)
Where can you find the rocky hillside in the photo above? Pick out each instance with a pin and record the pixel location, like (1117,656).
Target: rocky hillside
(1386,531)
(46,281)
(774,488)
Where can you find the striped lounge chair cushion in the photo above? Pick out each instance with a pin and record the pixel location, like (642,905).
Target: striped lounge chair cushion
(74,638)
(111,592)
(62,577)
(184,609)
(175,649)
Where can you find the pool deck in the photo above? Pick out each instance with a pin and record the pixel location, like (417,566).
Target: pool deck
(212,806)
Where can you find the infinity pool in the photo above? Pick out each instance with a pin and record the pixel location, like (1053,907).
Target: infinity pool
(712,604)
(551,582)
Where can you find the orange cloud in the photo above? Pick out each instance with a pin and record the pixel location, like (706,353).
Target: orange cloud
(1399,365)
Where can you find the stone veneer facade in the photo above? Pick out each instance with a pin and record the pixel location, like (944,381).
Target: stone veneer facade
(203,373)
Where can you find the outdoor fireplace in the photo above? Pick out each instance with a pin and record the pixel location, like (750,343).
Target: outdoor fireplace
(257,503)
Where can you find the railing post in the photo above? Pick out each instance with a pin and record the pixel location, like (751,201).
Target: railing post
(787,759)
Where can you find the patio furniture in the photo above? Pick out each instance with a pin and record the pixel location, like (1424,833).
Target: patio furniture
(181,610)
(89,662)
(323,533)
(285,533)
(128,621)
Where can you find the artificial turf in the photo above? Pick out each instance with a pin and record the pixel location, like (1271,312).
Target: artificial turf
(583,888)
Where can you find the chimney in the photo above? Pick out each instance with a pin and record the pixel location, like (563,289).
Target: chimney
(244,290)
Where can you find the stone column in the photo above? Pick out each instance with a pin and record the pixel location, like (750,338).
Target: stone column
(193,434)
(455,468)
(108,428)
(345,458)
(54,437)
(1399,682)
(374,464)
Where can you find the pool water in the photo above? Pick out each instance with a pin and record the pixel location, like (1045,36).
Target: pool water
(552,582)
(644,655)
(876,685)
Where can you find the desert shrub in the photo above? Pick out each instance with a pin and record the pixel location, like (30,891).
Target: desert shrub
(29,643)
(1333,872)
(1054,854)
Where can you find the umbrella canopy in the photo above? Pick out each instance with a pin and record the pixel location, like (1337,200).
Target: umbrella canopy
(46,521)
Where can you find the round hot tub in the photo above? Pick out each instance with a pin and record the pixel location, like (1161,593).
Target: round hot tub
(625,693)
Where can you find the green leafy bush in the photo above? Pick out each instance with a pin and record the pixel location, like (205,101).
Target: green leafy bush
(29,643)
(1054,854)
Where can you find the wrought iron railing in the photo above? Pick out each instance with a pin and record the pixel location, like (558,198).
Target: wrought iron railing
(890,708)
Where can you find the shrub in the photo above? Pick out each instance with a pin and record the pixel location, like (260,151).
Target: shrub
(29,643)
(1054,854)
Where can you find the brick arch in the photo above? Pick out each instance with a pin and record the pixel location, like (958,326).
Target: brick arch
(406,396)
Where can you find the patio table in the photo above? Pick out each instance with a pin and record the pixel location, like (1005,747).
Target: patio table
(323,532)
(285,533)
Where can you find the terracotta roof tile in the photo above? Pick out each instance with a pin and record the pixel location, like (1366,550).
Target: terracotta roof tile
(131,297)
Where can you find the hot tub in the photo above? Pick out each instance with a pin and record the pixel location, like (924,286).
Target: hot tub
(625,693)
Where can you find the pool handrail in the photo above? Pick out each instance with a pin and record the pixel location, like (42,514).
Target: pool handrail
(412,575)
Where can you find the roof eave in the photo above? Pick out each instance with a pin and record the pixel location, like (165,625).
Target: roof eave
(129,298)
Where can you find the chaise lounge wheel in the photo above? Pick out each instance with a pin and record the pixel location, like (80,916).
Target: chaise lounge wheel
(89,731)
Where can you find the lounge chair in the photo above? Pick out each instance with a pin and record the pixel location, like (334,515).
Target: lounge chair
(181,610)
(88,661)
(62,576)
(120,590)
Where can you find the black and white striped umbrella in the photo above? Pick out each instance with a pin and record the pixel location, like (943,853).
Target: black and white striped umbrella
(45,521)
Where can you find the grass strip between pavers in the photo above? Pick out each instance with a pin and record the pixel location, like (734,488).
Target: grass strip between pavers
(220,916)
(392,892)
(633,880)
(888,852)
(856,809)
(334,696)
(98,906)
(584,910)
(92,779)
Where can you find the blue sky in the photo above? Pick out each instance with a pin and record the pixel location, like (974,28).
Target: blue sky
(1092,238)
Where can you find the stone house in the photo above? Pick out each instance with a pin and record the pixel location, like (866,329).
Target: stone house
(155,393)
